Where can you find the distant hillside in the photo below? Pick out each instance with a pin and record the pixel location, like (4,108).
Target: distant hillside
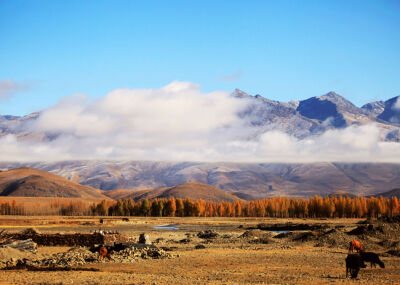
(244,196)
(259,180)
(29,182)
(191,190)
(341,193)
(388,194)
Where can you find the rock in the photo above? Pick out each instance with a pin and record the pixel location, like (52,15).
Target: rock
(207,234)
(284,235)
(255,234)
(159,240)
(144,238)
(30,231)
(200,246)
(28,245)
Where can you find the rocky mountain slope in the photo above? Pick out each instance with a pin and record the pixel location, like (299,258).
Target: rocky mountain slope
(318,114)
(258,180)
(388,194)
(300,119)
(391,113)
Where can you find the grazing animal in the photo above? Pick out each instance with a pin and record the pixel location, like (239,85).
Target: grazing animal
(372,257)
(353,264)
(103,252)
(355,245)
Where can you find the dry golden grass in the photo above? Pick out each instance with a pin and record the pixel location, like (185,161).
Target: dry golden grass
(221,262)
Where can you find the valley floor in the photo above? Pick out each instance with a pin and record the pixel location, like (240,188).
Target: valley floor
(237,256)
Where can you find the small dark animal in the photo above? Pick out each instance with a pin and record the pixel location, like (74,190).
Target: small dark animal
(355,245)
(372,257)
(353,264)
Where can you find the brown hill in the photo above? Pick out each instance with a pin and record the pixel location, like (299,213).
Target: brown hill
(299,180)
(30,182)
(191,190)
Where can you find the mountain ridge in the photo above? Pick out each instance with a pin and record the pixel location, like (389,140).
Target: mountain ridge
(191,190)
(298,118)
(258,180)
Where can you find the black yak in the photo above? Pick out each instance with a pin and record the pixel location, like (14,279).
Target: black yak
(353,264)
(372,257)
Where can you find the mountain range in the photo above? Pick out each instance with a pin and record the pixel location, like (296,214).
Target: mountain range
(300,119)
(29,182)
(251,179)
(318,114)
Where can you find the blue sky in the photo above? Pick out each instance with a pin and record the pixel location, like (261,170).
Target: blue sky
(282,50)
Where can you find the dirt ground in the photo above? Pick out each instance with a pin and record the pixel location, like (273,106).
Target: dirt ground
(238,255)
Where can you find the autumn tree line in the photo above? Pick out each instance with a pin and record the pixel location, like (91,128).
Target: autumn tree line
(278,207)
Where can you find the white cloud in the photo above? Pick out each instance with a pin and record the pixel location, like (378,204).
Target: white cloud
(180,123)
(9,87)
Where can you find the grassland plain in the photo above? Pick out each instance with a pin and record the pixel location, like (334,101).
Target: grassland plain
(239,254)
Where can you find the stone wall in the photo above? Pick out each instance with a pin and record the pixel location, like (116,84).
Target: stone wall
(65,239)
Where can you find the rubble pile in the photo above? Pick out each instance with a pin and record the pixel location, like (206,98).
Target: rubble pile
(376,234)
(394,219)
(132,254)
(207,234)
(73,257)
(80,256)
(257,236)
(291,227)
(333,238)
(307,236)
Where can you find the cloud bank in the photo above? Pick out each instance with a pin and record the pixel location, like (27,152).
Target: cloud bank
(9,87)
(180,123)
